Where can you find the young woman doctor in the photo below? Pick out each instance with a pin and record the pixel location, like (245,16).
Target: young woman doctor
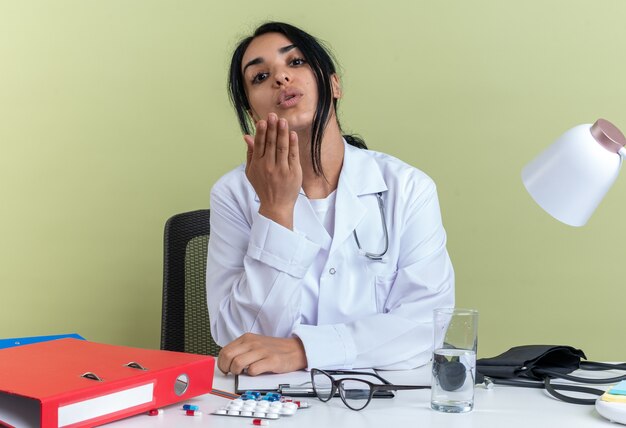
(322,253)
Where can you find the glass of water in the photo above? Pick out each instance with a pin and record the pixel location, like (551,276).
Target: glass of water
(454,360)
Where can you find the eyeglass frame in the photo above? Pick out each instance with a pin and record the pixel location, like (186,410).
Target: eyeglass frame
(385,386)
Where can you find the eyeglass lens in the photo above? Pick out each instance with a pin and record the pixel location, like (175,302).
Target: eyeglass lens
(323,385)
(355,393)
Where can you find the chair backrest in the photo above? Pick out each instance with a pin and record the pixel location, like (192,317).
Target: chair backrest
(185,323)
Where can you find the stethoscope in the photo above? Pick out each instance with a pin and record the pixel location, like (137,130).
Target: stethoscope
(374,256)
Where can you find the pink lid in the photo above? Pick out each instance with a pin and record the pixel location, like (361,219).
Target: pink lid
(608,135)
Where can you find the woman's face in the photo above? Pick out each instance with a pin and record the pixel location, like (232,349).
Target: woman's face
(278,79)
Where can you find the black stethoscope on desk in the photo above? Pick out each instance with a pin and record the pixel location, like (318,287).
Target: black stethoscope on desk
(375,256)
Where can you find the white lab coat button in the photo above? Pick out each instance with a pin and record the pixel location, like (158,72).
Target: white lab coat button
(332,271)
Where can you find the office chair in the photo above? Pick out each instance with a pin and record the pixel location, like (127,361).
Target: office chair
(185,323)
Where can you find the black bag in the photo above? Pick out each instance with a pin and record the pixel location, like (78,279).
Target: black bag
(534,366)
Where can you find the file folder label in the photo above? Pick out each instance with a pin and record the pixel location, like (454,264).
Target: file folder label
(105,405)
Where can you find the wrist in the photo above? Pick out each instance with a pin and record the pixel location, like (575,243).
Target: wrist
(284,217)
(300,360)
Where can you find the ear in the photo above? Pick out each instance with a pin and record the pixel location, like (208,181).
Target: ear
(336,86)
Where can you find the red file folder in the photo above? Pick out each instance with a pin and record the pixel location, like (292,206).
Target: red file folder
(75,383)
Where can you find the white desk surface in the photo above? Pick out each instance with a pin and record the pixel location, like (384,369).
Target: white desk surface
(499,407)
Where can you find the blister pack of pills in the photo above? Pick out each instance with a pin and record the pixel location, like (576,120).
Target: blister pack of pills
(253,404)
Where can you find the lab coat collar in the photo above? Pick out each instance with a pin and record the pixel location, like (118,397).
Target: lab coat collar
(360,175)
(360,172)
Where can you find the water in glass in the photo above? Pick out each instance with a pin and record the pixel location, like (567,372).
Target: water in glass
(453,380)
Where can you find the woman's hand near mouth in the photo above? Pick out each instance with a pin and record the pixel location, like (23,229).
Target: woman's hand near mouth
(273,168)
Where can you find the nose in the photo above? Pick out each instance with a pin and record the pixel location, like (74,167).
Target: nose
(282,78)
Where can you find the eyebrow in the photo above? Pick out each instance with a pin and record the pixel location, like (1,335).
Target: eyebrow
(260,60)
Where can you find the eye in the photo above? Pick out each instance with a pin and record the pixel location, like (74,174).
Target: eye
(259,77)
(297,62)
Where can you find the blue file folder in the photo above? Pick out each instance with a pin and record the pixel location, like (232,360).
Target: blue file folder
(18,341)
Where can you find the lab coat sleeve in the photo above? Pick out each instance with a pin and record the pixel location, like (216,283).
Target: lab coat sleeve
(253,271)
(399,337)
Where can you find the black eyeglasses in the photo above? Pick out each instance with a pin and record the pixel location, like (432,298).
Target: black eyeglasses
(356,393)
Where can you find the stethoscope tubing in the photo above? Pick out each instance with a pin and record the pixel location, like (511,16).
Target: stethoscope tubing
(376,256)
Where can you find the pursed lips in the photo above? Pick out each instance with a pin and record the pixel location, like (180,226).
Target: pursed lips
(288,98)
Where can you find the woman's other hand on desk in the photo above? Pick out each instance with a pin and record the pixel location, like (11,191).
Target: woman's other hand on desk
(273,168)
(262,354)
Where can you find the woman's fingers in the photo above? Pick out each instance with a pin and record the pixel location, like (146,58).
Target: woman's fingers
(249,140)
(259,139)
(294,151)
(282,143)
(270,138)
(261,354)
(274,142)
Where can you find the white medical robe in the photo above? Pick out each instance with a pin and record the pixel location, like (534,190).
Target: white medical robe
(349,311)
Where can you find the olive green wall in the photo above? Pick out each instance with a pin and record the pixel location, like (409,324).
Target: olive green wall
(114,116)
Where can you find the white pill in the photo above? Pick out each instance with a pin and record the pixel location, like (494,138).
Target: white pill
(263,403)
(246,413)
(272,415)
(259,414)
(290,405)
(233,412)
